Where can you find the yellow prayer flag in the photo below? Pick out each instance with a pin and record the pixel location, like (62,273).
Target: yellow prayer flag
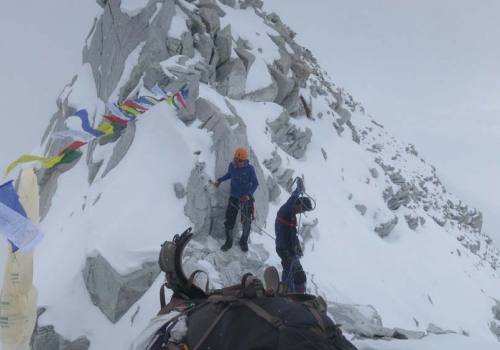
(52,161)
(106,127)
(25,158)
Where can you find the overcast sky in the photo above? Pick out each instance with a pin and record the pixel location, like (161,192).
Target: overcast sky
(428,70)
(42,42)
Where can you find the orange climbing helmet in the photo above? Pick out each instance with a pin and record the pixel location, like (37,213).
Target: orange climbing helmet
(241,153)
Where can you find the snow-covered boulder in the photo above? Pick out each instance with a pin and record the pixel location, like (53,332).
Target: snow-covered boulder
(113,293)
(290,138)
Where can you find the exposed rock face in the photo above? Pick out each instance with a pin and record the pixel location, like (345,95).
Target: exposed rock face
(46,338)
(180,191)
(273,188)
(228,133)
(211,19)
(361,208)
(199,204)
(291,139)
(495,324)
(364,321)
(110,45)
(267,93)
(113,293)
(384,229)
(253,3)
(412,222)
(121,148)
(232,77)
(274,163)
(245,56)
(285,85)
(374,173)
(224,44)
(47,182)
(433,329)
(401,198)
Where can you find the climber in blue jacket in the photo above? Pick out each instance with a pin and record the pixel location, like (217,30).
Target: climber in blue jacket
(243,185)
(287,241)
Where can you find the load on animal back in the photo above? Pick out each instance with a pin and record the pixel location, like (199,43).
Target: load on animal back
(249,315)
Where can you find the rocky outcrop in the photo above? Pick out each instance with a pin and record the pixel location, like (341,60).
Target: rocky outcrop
(199,200)
(251,3)
(495,323)
(113,293)
(231,78)
(385,228)
(266,94)
(414,221)
(46,338)
(433,329)
(228,133)
(273,188)
(290,138)
(121,148)
(180,190)
(47,182)
(361,208)
(396,200)
(364,321)
(110,45)
(273,164)
(224,44)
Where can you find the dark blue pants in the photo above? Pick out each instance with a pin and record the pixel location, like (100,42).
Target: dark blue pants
(293,275)
(233,206)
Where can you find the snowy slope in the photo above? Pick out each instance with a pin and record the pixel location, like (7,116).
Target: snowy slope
(427,71)
(440,271)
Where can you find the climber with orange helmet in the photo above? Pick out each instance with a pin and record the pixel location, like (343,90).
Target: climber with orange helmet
(243,185)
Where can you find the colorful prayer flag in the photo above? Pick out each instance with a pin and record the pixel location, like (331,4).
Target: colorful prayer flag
(180,99)
(145,102)
(84,117)
(113,107)
(158,92)
(73,134)
(20,232)
(135,105)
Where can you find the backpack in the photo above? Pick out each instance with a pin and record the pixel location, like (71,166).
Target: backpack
(245,316)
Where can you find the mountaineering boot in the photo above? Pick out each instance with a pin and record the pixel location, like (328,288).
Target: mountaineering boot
(229,241)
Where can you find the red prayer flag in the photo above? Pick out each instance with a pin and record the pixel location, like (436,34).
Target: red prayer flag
(115,119)
(73,146)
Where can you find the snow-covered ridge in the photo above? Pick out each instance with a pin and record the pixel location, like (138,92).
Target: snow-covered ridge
(385,232)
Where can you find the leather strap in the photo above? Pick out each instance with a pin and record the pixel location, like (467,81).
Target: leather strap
(211,328)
